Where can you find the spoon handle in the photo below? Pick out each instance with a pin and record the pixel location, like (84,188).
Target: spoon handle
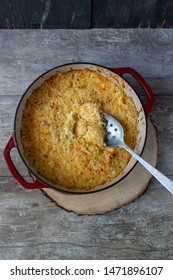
(167,183)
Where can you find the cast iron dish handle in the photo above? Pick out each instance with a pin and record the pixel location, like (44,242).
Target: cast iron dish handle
(35,185)
(142,82)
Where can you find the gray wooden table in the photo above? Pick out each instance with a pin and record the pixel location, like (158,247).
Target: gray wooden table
(31,227)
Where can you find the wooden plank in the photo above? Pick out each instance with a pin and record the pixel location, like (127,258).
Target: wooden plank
(21,14)
(27,54)
(132,13)
(85,14)
(45,14)
(32,227)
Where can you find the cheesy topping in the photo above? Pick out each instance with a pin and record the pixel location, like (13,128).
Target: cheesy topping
(63,129)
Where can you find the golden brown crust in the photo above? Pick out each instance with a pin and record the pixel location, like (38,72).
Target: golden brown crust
(63,129)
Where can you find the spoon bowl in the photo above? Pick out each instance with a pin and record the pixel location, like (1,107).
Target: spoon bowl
(115,137)
(115,133)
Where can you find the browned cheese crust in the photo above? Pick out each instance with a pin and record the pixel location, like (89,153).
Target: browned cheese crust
(63,130)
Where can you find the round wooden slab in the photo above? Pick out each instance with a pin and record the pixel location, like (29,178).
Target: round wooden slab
(124,192)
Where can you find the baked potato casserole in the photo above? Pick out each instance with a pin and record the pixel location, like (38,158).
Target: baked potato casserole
(63,129)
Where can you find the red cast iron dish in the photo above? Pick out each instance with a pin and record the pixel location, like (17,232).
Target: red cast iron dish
(115,73)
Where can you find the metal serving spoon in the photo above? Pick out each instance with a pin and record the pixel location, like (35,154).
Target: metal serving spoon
(115,137)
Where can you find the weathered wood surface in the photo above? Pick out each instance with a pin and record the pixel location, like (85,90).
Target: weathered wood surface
(86,14)
(45,14)
(31,227)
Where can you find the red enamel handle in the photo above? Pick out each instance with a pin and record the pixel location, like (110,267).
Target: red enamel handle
(35,185)
(147,106)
